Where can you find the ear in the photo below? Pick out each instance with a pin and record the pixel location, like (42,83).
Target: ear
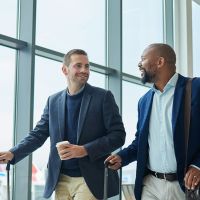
(161,61)
(65,70)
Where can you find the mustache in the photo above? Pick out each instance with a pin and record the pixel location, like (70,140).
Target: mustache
(139,65)
(141,68)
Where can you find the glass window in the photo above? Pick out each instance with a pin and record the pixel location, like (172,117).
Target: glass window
(49,79)
(196,39)
(8,15)
(130,117)
(7,80)
(142,25)
(72,24)
(97,79)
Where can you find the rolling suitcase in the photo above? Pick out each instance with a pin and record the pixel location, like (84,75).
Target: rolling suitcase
(105,190)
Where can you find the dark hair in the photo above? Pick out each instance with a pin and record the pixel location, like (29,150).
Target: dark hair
(67,57)
(165,51)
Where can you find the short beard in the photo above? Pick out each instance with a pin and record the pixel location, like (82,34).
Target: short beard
(147,78)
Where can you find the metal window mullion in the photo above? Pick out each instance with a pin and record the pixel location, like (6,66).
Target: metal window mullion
(58,56)
(12,42)
(168,22)
(24,97)
(197,1)
(183,36)
(114,48)
(114,54)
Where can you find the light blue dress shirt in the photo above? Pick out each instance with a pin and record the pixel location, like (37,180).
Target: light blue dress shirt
(161,146)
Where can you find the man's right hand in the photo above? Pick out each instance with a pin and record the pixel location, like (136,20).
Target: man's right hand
(6,156)
(114,162)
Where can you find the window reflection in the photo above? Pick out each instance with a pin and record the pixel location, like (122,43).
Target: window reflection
(75,24)
(7,78)
(8,13)
(142,25)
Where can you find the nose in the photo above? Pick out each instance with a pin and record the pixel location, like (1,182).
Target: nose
(83,69)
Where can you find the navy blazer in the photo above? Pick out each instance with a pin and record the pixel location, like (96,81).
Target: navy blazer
(100,130)
(138,149)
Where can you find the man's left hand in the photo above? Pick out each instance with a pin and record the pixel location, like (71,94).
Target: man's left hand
(72,151)
(192,178)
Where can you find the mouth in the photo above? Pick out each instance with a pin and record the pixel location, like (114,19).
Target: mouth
(83,76)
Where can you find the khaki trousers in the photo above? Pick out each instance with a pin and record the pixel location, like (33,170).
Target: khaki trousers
(160,189)
(72,188)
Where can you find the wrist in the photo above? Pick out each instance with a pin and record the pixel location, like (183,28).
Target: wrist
(84,151)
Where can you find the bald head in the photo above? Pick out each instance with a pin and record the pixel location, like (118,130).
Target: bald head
(158,64)
(163,50)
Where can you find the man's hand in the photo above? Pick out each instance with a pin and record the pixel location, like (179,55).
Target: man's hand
(6,156)
(114,162)
(192,178)
(68,151)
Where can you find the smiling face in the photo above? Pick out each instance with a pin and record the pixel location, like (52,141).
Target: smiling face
(78,71)
(149,66)
(158,64)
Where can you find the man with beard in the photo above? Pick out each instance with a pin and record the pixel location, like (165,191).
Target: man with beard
(88,118)
(159,145)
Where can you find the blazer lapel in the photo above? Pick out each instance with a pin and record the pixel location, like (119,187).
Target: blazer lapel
(83,111)
(61,114)
(146,111)
(178,98)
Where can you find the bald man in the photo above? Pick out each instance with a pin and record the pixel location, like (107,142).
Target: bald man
(159,145)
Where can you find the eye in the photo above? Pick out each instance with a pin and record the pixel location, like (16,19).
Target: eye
(87,66)
(78,65)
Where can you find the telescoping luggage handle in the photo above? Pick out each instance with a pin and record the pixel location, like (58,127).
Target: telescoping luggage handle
(105,190)
(8,180)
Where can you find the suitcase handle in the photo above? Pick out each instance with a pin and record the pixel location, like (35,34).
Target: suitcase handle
(8,180)
(105,190)
(106,164)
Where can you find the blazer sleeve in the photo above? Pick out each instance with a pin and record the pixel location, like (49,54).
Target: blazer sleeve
(34,139)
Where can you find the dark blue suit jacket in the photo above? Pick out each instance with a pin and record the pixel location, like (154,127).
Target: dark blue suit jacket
(100,130)
(138,150)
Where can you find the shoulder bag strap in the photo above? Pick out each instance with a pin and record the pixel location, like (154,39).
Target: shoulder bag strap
(187,111)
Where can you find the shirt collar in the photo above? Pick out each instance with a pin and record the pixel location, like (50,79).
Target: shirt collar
(171,83)
(173,80)
(76,92)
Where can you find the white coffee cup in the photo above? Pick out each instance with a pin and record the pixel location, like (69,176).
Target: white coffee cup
(58,144)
